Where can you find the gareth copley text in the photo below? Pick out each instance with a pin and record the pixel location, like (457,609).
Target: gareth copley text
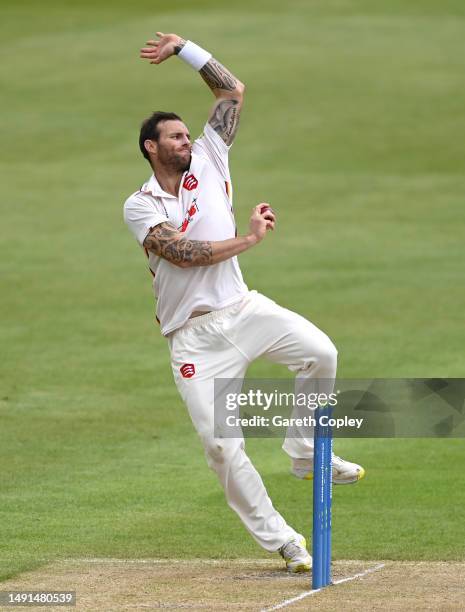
(281,421)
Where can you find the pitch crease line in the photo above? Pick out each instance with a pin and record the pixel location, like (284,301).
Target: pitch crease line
(271,562)
(305,594)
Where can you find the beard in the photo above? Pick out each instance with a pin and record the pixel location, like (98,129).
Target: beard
(177,162)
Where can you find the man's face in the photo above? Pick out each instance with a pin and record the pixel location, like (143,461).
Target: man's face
(174,145)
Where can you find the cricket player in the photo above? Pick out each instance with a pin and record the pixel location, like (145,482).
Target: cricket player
(215,327)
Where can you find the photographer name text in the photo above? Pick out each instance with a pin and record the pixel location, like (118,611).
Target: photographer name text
(280,421)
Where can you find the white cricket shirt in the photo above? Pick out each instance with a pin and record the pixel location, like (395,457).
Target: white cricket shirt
(202,211)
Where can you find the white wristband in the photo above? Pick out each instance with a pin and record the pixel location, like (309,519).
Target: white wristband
(194,55)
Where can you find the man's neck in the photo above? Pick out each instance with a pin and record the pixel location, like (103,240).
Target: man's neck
(168,180)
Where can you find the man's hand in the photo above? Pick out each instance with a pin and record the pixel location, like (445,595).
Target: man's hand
(262,219)
(158,51)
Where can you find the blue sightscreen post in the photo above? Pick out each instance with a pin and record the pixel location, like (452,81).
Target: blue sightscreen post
(318,480)
(322,498)
(329,502)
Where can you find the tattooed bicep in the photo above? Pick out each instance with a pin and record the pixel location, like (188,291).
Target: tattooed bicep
(159,236)
(224,118)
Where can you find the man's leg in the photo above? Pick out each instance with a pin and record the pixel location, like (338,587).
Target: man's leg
(214,356)
(287,338)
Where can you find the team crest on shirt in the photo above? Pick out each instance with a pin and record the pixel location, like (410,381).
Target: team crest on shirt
(187,370)
(190,182)
(193,209)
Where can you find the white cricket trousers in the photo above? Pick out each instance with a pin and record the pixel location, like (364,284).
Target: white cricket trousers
(221,344)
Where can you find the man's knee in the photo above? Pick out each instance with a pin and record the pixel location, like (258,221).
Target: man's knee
(220,450)
(322,359)
(327,359)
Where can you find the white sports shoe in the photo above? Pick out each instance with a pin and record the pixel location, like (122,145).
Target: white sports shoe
(296,556)
(344,472)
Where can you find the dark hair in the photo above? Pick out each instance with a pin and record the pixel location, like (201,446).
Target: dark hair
(149,129)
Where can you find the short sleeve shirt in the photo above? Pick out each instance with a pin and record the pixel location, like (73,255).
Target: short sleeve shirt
(202,211)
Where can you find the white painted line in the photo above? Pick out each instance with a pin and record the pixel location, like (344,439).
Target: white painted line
(288,602)
(361,574)
(102,560)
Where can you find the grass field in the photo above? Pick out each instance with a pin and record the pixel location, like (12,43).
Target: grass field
(353,129)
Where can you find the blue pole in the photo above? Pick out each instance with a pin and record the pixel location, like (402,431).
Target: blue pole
(327,495)
(322,498)
(318,535)
(325,507)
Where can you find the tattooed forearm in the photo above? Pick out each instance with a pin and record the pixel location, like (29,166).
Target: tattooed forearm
(225,119)
(217,76)
(187,253)
(179,46)
(164,241)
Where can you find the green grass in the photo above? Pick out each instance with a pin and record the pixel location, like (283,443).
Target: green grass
(353,128)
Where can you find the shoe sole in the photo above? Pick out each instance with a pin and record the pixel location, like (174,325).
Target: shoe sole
(300,569)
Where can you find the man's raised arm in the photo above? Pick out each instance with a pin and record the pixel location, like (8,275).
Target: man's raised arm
(228,90)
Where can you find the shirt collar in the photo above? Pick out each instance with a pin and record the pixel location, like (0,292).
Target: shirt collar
(153,187)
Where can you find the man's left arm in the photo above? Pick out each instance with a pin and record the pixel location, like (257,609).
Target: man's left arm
(227,89)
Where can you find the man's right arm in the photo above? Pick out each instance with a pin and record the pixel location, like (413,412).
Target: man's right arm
(227,89)
(166,241)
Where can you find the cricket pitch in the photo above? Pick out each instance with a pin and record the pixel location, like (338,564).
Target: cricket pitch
(114,585)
